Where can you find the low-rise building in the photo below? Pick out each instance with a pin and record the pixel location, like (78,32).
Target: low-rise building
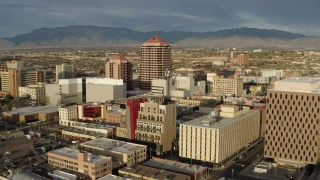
(6,135)
(115,116)
(255,80)
(36,92)
(148,173)
(113,177)
(194,171)
(87,163)
(216,138)
(68,115)
(123,152)
(81,134)
(32,113)
(227,86)
(91,111)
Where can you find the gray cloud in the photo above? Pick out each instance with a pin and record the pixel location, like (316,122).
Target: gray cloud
(18,16)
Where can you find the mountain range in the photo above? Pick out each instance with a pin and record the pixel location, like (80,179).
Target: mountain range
(94,36)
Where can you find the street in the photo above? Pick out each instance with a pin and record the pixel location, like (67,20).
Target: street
(233,170)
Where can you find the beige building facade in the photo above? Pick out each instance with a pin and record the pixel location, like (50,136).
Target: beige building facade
(36,92)
(120,68)
(89,164)
(156,123)
(216,138)
(68,115)
(292,122)
(226,86)
(122,152)
(155,61)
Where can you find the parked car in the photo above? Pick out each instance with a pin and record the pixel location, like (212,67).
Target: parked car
(7,153)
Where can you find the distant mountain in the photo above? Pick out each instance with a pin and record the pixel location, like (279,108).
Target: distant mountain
(94,36)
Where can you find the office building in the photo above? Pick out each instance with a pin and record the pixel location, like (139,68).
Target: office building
(242,59)
(67,115)
(272,73)
(180,86)
(227,86)
(36,92)
(156,124)
(87,163)
(15,76)
(292,123)
(65,71)
(216,138)
(92,111)
(120,68)
(79,90)
(155,61)
(122,152)
(255,80)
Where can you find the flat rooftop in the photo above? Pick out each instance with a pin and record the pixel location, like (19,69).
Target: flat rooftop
(221,124)
(154,173)
(298,84)
(112,145)
(72,153)
(175,166)
(301,80)
(112,177)
(33,110)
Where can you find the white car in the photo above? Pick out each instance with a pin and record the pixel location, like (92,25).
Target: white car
(7,153)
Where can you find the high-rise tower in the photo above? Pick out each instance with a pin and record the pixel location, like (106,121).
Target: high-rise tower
(120,68)
(155,61)
(65,71)
(292,122)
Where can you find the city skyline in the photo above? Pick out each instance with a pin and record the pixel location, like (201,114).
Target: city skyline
(294,16)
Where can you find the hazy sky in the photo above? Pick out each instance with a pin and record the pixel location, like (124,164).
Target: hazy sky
(21,16)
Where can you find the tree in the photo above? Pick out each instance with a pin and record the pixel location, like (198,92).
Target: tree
(8,98)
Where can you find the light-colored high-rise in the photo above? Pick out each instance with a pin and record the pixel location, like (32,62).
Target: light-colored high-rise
(226,86)
(156,124)
(215,138)
(65,71)
(155,61)
(292,122)
(15,76)
(120,68)
(78,90)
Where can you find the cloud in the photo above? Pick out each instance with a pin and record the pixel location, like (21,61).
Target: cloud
(18,16)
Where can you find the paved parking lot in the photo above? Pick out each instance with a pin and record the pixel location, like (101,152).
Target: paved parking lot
(25,154)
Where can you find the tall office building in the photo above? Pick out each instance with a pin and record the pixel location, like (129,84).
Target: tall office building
(65,71)
(292,123)
(15,76)
(243,59)
(120,68)
(156,124)
(155,61)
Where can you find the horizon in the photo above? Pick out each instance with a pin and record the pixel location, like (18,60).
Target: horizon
(189,16)
(152,30)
